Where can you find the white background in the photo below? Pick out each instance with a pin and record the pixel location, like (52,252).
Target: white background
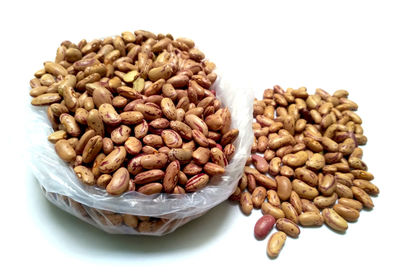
(351,45)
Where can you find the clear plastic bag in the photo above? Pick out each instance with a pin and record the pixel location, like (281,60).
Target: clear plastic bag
(132,212)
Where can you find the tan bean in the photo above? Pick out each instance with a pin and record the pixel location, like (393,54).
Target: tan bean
(262,144)
(316,162)
(325,201)
(37,91)
(201,155)
(361,174)
(343,191)
(154,161)
(150,111)
(183,129)
(81,85)
(58,109)
(46,99)
(284,187)
(269,209)
(133,145)
(367,186)
(345,179)
(130,76)
(334,220)
(57,135)
(218,157)
(154,88)
(120,134)
(92,148)
(85,175)
(296,202)
(348,213)
(357,163)
(273,198)
(35,82)
(88,103)
(246,203)
(130,220)
(150,189)
(196,123)
(258,196)
(192,169)
(65,151)
(103,180)
(265,181)
(279,141)
(101,95)
(81,115)
(169,91)
(295,160)
(153,140)
(84,140)
(134,165)
(328,185)
(149,176)
(308,206)
(333,157)
(311,219)
(300,125)
(351,203)
(171,138)
(129,93)
(178,81)
(274,165)
(313,144)
(131,117)
(160,123)
(196,182)
(329,144)
(95,122)
(109,115)
(73,142)
(363,197)
(108,145)
(168,108)
(275,244)
(113,160)
(286,171)
(55,69)
(347,147)
(307,176)
(229,151)
(96,164)
(182,155)
(289,227)
(304,190)
(290,211)
(70,124)
(213,169)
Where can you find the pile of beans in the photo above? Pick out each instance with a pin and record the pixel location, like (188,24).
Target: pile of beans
(310,150)
(136,112)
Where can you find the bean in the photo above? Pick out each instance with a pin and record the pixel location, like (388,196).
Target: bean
(263,226)
(275,244)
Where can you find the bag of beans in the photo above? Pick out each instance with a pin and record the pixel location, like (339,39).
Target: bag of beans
(136,134)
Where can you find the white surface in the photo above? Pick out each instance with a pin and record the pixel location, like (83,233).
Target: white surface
(351,45)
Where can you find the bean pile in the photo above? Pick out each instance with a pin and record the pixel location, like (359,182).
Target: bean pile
(135,112)
(310,146)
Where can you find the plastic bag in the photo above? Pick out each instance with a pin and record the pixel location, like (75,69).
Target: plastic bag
(132,212)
